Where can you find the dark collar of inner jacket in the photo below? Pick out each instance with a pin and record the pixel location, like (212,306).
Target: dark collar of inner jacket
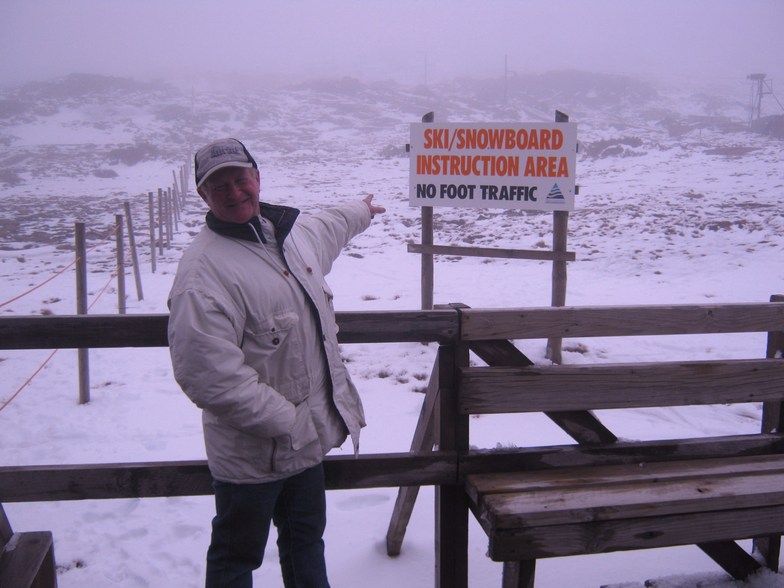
(281,217)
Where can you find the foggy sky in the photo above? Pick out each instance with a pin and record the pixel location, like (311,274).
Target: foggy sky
(413,41)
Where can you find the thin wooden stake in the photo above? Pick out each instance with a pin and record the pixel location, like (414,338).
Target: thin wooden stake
(160,221)
(134,254)
(151,208)
(175,204)
(120,251)
(168,209)
(183,184)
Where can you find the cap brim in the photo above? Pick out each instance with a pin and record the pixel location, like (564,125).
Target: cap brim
(221,166)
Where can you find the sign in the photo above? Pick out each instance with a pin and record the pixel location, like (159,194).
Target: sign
(528,166)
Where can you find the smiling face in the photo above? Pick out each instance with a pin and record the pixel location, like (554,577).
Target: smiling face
(232,193)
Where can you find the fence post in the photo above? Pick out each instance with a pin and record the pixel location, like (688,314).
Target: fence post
(177,195)
(134,254)
(451,505)
(427,239)
(120,252)
(560,230)
(83,355)
(175,202)
(151,210)
(772,420)
(168,212)
(160,221)
(183,184)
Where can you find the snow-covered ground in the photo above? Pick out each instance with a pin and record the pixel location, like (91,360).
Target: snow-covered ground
(678,204)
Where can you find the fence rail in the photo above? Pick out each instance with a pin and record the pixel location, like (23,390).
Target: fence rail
(149,330)
(616,321)
(192,478)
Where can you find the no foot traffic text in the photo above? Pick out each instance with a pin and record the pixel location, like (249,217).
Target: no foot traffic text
(471,191)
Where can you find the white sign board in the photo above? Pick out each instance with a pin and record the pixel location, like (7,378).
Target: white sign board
(528,166)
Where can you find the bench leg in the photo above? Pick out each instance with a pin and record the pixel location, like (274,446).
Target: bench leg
(770,549)
(519,574)
(451,537)
(47,574)
(732,557)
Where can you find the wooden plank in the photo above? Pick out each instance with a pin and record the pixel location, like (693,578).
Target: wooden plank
(192,478)
(5,528)
(612,500)
(424,436)
(492,390)
(451,507)
(732,558)
(30,562)
(52,332)
(461,251)
(542,323)
(582,426)
(634,452)
(441,326)
(83,331)
(638,533)
(773,412)
(140,330)
(390,470)
(500,352)
(78,482)
(558,479)
(519,574)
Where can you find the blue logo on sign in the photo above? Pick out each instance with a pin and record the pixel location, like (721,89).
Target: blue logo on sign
(555,194)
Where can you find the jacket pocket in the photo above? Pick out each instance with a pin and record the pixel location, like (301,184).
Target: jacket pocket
(264,336)
(301,448)
(236,456)
(272,346)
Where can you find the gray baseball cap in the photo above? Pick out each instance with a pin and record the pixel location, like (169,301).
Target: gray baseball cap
(219,154)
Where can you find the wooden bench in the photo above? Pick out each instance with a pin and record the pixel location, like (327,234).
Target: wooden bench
(26,559)
(604,494)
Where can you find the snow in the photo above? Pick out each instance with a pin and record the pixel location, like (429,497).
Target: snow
(679,218)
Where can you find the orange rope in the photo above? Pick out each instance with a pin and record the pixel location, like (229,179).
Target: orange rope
(30,379)
(51,355)
(50,278)
(34,288)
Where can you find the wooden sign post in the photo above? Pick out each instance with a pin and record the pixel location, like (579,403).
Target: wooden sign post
(495,165)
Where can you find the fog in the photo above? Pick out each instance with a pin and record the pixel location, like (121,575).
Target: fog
(413,41)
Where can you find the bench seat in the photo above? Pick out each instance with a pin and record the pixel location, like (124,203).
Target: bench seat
(596,509)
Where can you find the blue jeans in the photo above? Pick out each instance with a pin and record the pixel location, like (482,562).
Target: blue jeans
(297,507)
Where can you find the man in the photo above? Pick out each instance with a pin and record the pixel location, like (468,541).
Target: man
(253,343)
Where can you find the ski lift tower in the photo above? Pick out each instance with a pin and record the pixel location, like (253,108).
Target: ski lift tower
(760,86)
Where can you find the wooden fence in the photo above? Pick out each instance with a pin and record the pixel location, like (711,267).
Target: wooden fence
(76,482)
(443,422)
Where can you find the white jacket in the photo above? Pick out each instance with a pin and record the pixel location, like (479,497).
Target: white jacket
(245,348)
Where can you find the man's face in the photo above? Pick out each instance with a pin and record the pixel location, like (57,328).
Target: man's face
(232,193)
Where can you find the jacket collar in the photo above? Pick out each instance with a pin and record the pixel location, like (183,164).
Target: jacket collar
(281,217)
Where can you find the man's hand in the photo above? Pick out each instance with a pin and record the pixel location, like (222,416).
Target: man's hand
(374,210)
